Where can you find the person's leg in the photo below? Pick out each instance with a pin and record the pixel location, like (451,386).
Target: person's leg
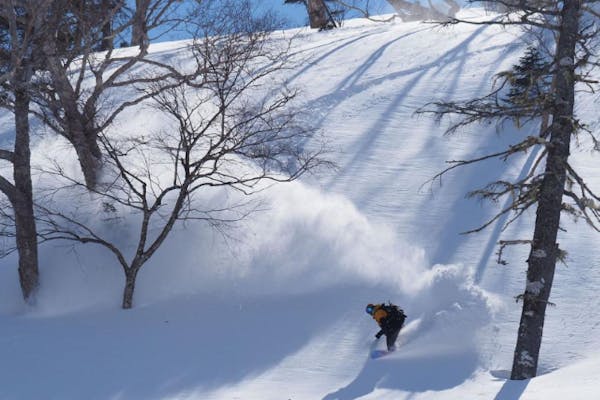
(391,338)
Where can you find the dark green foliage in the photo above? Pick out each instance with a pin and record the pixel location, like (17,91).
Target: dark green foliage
(530,82)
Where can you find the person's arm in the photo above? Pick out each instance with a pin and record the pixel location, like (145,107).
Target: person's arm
(379,334)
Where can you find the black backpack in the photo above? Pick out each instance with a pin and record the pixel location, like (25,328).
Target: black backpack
(394,312)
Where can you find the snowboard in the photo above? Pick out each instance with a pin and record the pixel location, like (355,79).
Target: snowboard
(380,353)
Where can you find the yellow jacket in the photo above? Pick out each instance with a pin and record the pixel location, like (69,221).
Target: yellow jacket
(379,314)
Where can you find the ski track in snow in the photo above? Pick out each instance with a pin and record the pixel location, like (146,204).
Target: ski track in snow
(282,316)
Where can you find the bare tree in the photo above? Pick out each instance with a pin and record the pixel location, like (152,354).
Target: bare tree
(104,12)
(27,28)
(71,94)
(148,15)
(553,181)
(363,8)
(232,127)
(414,11)
(21,27)
(319,14)
(406,10)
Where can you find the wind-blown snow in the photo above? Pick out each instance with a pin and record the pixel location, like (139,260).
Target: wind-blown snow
(275,310)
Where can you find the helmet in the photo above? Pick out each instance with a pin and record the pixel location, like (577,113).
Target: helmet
(370,308)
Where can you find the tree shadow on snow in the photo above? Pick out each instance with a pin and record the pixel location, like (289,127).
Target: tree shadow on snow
(418,374)
(163,349)
(455,58)
(512,390)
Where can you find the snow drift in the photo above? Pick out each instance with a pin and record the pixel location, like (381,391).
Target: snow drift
(279,301)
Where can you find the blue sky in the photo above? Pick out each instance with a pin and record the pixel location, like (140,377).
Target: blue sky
(294,14)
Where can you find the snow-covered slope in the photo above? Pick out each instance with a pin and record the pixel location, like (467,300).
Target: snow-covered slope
(278,312)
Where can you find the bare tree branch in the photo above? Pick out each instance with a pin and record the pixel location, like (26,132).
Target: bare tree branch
(233,128)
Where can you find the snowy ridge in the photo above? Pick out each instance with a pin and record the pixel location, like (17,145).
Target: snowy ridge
(277,311)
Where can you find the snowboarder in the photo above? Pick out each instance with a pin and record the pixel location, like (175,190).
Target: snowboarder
(390,319)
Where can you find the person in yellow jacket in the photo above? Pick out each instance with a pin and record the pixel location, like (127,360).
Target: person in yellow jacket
(390,319)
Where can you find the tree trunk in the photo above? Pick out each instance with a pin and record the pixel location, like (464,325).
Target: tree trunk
(107,33)
(544,249)
(89,155)
(139,29)
(26,233)
(130,277)
(317,14)
(77,125)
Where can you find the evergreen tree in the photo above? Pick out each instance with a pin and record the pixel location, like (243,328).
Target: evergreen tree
(530,83)
(552,184)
